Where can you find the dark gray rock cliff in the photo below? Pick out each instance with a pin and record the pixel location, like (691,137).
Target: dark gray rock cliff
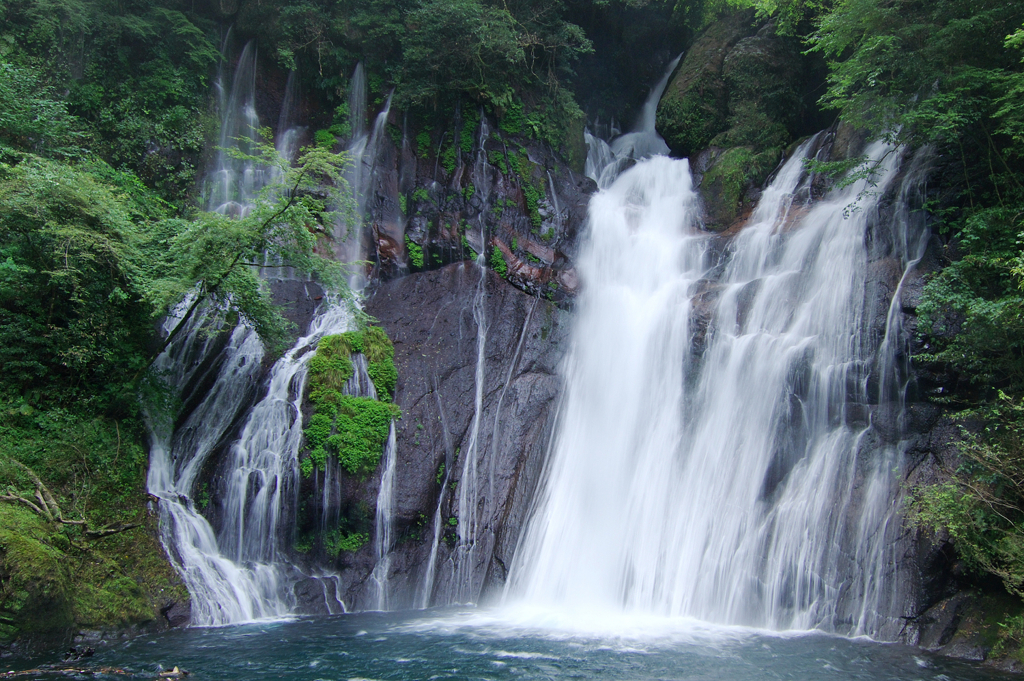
(450,447)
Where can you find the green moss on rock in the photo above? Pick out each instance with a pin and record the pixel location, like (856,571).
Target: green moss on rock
(763,75)
(361,428)
(739,86)
(380,358)
(35,582)
(726,182)
(695,104)
(352,429)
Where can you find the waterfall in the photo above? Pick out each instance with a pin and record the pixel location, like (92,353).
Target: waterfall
(554,202)
(726,473)
(605,161)
(643,141)
(289,135)
(236,575)
(240,572)
(350,232)
(469,499)
(427,587)
(599,157)
(357,102)
(178,454)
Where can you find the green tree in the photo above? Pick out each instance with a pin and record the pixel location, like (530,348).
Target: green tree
(216,257)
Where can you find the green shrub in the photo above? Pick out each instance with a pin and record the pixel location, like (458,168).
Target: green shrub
(325,138)
(421,195)
(470,122)
(415,253)
(498,263)
(423,144)
(337,541)
(448,157)
(361,429)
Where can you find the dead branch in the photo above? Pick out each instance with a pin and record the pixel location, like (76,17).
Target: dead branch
(109,530)
(47,507)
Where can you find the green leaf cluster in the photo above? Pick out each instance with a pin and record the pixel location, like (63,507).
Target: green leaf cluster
(135,78)
(415,253)
(498,263)
(337,541)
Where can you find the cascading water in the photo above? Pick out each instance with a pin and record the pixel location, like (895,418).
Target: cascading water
(733,483)
(236,575)
(605,161)
(177,455)
(240,572)
(234,182)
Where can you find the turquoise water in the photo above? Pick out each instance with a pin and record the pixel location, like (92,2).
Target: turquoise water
(480,644)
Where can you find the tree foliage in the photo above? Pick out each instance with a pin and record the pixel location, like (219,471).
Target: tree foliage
(136,76)
(89,257)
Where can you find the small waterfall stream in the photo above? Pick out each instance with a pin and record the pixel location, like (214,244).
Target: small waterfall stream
(606,160)
(472,501)
(240,572)
(383,541)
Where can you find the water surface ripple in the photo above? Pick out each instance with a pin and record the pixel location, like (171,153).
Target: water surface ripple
(510,644)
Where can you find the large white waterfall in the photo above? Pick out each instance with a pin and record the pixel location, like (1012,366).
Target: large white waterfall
(711,459)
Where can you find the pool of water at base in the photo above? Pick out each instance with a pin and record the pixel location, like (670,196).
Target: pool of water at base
(472,643)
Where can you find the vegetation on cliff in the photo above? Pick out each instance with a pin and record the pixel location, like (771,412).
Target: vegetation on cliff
(351,428)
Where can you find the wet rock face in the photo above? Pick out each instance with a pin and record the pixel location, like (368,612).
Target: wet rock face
(447,196)
(433,318)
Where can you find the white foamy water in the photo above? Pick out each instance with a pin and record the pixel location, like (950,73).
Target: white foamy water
(727,483)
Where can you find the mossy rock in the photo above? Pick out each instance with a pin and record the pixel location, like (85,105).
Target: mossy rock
(727,180)
(739,86)
(763,76)
(35,584)
(694,107)
(352,429)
